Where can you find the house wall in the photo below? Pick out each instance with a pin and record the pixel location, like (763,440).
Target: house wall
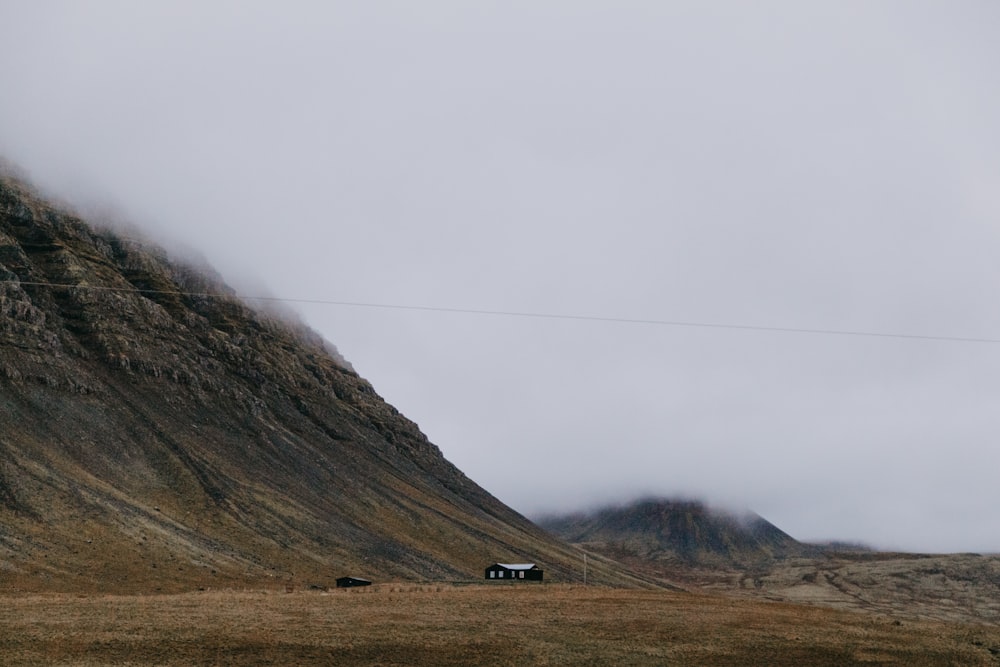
(496,573)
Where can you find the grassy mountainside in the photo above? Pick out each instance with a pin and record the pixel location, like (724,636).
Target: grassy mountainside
(156,433)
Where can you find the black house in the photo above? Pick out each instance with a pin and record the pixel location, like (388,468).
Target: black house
(351,582)
(515,571)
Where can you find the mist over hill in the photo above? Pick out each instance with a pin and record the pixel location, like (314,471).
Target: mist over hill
(156,432)
(695,546)
(679,531)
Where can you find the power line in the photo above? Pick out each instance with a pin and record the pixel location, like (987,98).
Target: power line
(525,314)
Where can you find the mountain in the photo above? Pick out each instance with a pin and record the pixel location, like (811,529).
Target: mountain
(678,532)
(695,547)
(157,433)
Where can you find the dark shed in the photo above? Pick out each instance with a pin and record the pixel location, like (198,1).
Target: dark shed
(516,571)
(351,582)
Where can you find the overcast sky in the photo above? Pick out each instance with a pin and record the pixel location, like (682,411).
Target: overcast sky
(826,165)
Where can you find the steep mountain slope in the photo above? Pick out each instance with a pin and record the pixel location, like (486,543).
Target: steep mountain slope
(678,532)
(157,435)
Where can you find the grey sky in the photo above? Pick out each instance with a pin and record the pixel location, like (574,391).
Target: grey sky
(826,165)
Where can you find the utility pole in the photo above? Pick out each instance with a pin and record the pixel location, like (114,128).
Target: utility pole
(584,568)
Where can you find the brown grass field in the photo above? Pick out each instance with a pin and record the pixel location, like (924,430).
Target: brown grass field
(440,624)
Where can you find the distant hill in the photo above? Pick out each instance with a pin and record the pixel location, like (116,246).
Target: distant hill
(677,532)
(692,546)
(156,433)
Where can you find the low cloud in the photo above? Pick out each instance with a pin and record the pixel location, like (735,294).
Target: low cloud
(777,164)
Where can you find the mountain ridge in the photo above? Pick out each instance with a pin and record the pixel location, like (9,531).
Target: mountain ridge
(156,431)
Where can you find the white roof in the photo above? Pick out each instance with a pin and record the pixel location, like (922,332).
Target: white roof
(517,566)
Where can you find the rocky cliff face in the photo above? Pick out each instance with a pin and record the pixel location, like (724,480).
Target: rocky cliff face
(156,432)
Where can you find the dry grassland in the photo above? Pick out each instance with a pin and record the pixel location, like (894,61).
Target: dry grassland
(431,624)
